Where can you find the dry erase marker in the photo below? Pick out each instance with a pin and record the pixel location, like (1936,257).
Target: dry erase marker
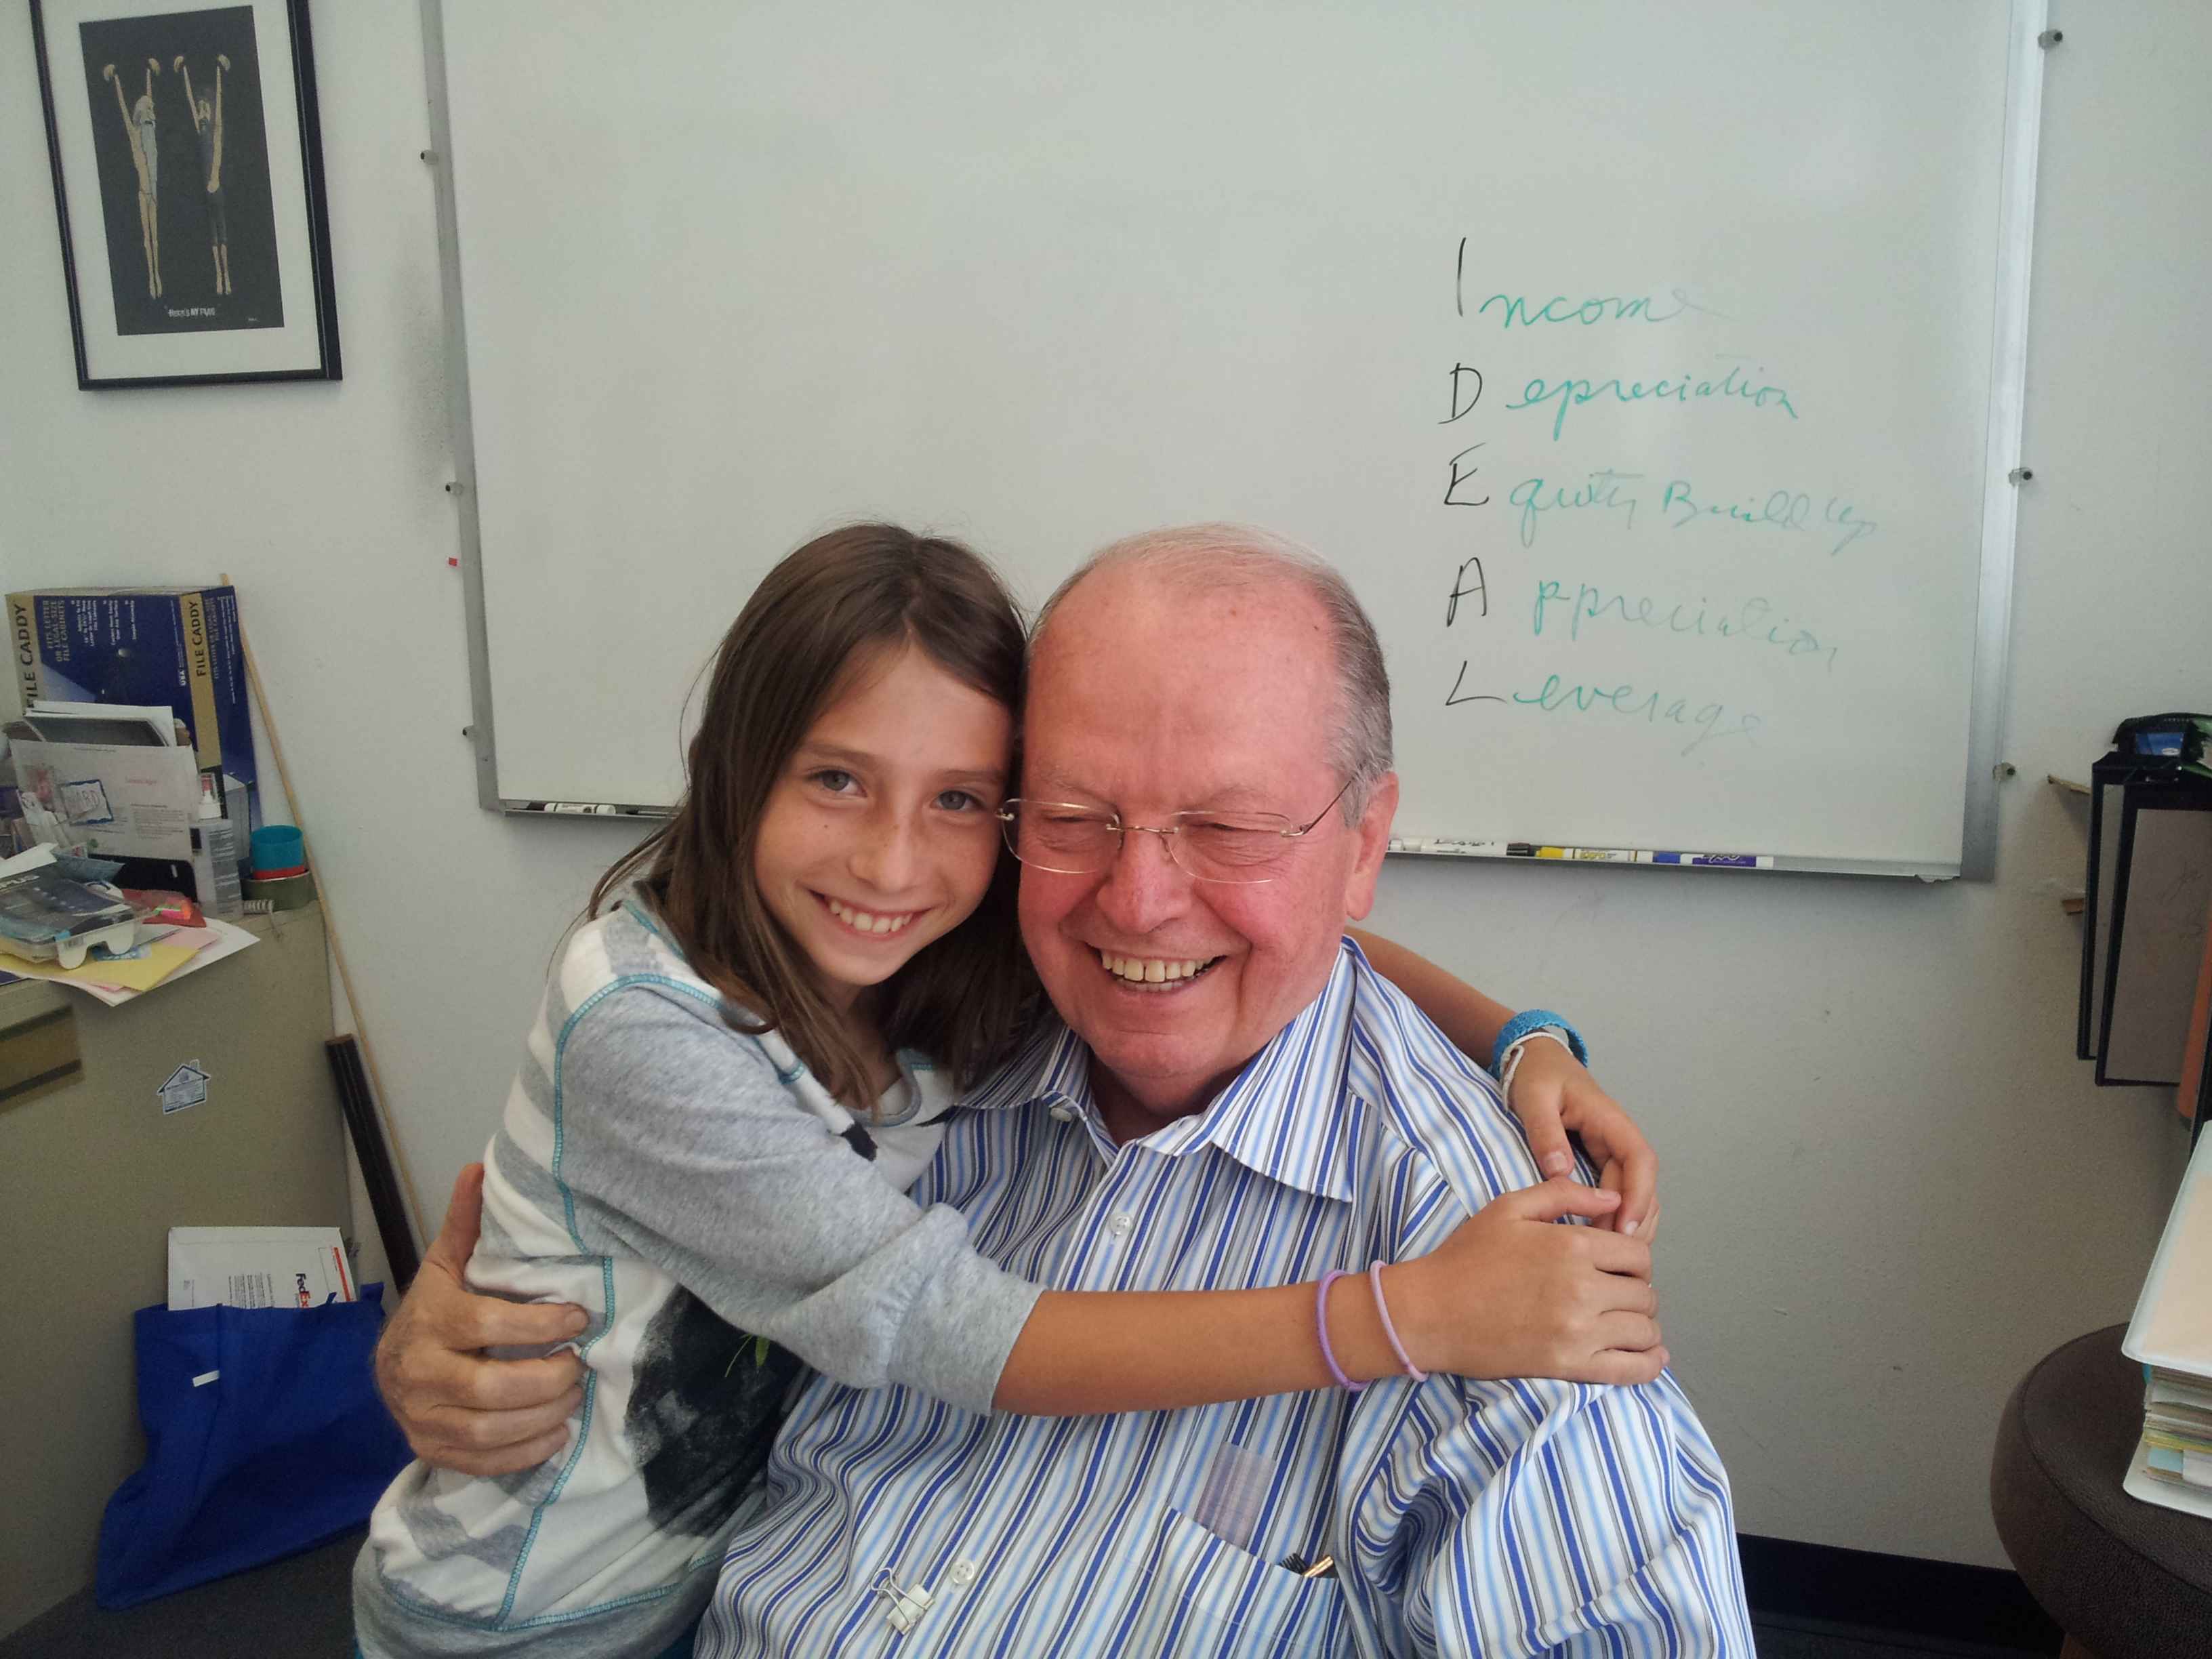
(1714,860)
(1590,855)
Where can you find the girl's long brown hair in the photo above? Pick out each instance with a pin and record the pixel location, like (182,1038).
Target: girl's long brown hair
(963,999)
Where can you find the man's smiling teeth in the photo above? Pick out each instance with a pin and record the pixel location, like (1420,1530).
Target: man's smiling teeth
(1150,970)
(864,921)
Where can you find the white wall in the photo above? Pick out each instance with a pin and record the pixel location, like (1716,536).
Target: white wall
(1889,1185)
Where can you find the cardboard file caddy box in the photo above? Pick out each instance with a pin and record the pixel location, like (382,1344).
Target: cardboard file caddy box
(177,646)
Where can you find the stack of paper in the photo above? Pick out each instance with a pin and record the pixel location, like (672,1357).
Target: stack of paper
(2176,1434)
(2172,1335)
(258,1268)
(113,963)
(185,950)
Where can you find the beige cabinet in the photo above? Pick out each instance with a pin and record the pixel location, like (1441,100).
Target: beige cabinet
(93,1174)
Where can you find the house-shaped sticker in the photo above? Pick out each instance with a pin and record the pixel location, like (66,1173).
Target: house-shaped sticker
(188,1086)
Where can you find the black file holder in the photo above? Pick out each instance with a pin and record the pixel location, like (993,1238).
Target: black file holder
(2145,904)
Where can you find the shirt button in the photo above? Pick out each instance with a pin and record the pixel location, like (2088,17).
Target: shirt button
(963,1572)
(1118,1225)
(1064,1114)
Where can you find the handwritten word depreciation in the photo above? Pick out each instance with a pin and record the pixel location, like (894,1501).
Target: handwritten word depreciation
(1683,389)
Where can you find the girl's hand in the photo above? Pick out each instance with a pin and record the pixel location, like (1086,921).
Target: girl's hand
(1554,1094)
(1510,1294)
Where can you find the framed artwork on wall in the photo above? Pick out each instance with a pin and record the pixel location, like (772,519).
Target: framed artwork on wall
(188,184)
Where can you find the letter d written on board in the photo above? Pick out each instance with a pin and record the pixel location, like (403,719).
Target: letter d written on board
(1460,372)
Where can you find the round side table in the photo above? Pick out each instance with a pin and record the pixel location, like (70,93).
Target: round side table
(2125,1579)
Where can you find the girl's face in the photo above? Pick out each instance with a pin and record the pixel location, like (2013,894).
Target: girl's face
(881,834)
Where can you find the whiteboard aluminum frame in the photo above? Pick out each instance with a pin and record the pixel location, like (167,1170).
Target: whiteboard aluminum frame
(2000,500)
(439,159)
(1986,730)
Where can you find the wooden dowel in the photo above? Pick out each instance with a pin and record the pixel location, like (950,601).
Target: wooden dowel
(330,927)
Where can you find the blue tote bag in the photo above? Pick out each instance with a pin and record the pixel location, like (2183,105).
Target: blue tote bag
(264,1436)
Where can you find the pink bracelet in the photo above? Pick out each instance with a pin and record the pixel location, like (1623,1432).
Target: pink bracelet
(1383,1307)
(1321,1325)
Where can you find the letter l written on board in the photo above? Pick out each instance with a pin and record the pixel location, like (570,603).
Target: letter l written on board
(1453,699)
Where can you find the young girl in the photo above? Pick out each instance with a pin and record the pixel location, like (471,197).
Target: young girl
(741,1062)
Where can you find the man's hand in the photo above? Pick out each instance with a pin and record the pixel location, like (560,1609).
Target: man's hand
(1510,1294)
(459,1409)
(1551,1095)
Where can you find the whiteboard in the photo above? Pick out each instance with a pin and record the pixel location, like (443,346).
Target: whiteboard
(1651,371)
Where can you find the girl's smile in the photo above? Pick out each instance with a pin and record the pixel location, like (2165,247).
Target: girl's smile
(863,922)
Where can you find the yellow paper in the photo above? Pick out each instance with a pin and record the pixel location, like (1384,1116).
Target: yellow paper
(138,974)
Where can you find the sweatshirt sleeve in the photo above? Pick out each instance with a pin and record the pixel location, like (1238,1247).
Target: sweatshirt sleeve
(675,1136)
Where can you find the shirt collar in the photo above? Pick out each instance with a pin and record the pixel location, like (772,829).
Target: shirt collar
(1286,1114)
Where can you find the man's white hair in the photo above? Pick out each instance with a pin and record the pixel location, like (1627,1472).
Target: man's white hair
(1201,558)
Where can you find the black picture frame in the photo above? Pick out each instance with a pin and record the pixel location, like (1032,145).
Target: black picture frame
(202,116)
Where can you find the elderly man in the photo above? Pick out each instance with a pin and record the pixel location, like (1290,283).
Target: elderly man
(1234,1098)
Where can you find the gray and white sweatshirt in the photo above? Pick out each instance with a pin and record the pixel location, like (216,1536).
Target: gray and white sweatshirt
(696,1191)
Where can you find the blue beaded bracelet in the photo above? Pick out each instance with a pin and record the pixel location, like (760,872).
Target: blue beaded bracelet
(1536,1020)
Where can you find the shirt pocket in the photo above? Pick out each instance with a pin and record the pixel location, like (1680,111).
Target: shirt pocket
(1200,1595)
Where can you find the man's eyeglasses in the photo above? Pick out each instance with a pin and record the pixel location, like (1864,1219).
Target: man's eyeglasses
(1231,846)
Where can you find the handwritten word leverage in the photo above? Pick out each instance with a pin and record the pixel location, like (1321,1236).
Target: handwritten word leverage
(1572,393)
(1652,706)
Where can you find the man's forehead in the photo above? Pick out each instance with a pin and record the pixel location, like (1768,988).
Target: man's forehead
(1142,596)
(1256,629)
(1162,765)
(1226,786)
(1145,689)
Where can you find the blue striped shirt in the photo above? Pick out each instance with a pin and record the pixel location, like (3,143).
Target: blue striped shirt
(1466,1517)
